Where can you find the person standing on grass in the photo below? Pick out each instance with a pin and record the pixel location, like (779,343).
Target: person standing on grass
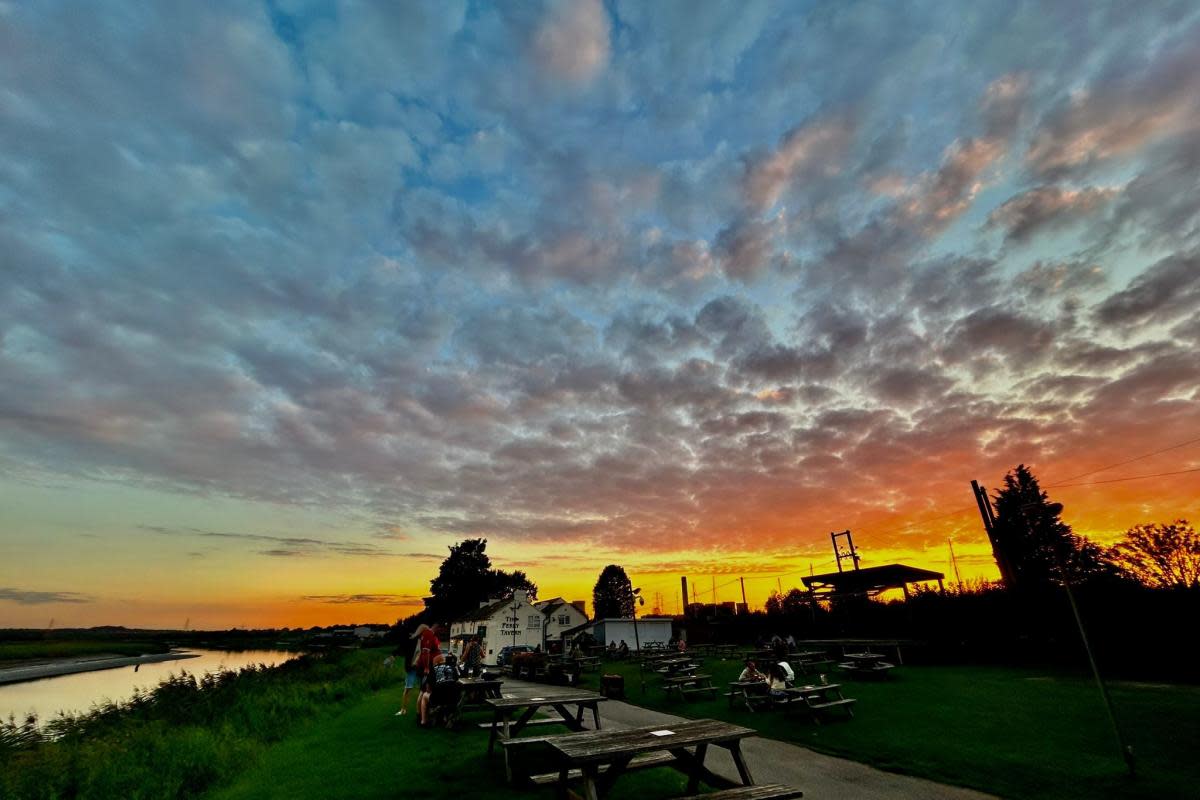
(411,678)
(428,646)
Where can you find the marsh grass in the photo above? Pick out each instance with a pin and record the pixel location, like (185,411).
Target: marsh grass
(185,735)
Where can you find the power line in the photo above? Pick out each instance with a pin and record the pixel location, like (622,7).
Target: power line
(1129,478)
(1123,463)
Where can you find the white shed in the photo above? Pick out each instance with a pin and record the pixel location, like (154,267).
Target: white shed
(650,630)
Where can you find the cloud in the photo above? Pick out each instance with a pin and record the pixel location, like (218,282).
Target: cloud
(1123,111)
(572,43)
(364,599)
(1047,208)
(26,597)
(810,150)
(1169,289)
(288,545)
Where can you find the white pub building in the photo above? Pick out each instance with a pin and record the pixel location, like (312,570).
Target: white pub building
(516,621)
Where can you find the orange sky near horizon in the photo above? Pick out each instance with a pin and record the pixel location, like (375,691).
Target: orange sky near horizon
(340,589)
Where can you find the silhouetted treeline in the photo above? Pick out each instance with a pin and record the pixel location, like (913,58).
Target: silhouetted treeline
(1136,632)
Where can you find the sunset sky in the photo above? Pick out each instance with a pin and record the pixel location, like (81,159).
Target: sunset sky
(295,295)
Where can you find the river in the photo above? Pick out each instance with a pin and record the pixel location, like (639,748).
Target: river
(79,692)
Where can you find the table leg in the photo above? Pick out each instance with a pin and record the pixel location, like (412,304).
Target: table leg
(570,720)
(591,775)
(522,721)
(596,714)
(694,778)
(735,750)
(492,734)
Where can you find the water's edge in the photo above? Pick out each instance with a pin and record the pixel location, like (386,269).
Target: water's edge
(71,666)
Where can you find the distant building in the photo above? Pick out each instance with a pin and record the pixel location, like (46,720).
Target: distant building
(652,631)
(560,616)
(498,623)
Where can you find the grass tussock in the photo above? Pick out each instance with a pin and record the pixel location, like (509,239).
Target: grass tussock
(183,737)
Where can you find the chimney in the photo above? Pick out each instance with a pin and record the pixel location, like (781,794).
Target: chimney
(581,605)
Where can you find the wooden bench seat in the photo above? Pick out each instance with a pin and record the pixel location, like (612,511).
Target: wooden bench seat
(645,761)
(689,690)
(767,791)
(845,701)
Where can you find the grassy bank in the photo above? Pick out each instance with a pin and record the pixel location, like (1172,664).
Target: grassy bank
(368,753)
(186,735)
(19,652)
(1010,732)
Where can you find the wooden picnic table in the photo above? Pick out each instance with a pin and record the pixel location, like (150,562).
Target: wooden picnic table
(503,726)
(603,756)
(820,697)
(477,690)
(866,664)
(688,685)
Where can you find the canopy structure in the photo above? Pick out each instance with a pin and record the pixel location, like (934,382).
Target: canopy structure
(870,580)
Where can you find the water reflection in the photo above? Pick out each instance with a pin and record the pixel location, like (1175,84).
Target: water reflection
(77,693)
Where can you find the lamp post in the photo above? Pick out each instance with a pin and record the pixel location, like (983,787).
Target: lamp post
(1126,750)
(638,600)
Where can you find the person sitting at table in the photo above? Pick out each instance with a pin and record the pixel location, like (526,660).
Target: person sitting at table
(788,673)
(612,647)
(576,650)
(622,650)
(440,693)
(751,673)
(776,682)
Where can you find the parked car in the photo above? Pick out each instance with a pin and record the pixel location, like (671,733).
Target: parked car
(504,657)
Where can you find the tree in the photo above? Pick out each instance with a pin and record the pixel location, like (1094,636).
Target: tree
(466,579)
(613,594)
(1040,548)
(1163,555)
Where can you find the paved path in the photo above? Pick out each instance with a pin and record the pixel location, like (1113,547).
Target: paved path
(69,666)
(821,777)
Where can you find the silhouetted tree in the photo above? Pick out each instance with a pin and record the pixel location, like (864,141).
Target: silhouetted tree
(1162,555)
(466,578)
(793,602)
(1041,549)
(613,594)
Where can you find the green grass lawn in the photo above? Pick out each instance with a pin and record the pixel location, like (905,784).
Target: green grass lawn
(1014,733)
(367,752)
(12,652)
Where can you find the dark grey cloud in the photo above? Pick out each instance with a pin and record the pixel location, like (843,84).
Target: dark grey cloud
(286,545)
(363,599)
(1169,289)
(1046,208)
(26,597)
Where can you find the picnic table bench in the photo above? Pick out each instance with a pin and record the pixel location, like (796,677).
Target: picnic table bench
(504,727)
(819,698)
(601,757)
(688,685)
(866,665)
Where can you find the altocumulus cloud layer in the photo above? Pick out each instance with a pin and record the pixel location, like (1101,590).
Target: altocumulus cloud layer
(639,274)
